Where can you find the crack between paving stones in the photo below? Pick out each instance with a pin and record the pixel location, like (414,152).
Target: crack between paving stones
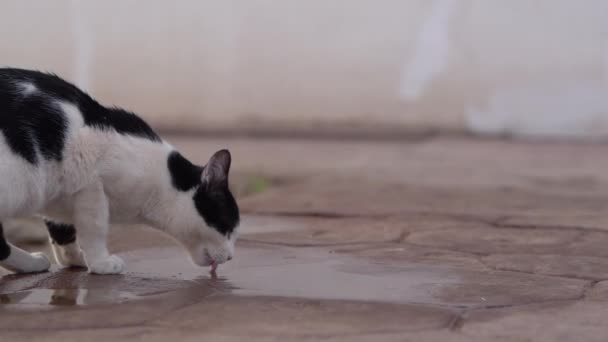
(555,227)
(499,222)
(145,322)
(551,227)
(458,251)
(584,292)
(564,276)
(480,257)
(336,215)
(68,329)
(454,324)
(182,307)
(540,302)
(306,245)
(153,323)
(313,214)
(319,337)
(398,240)
(579,238)
(458,321)
(461,320)
(589,288)
(402,240)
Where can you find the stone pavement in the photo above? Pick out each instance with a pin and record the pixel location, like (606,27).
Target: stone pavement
(444,239)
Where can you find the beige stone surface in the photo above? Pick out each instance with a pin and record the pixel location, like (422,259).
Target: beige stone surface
(570,321)
(583,267)
(438,240)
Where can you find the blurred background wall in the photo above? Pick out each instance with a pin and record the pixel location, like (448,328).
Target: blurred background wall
(520,67)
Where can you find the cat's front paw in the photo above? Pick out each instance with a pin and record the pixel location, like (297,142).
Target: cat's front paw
(110,265)
(39,263)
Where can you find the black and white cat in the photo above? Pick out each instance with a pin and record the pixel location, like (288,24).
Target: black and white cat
(82,166)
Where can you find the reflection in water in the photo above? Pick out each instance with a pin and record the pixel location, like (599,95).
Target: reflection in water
(79,289)
(66,297)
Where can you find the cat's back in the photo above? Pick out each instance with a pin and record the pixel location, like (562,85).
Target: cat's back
(32,82)
(51,136)
(33,118)
(40,111)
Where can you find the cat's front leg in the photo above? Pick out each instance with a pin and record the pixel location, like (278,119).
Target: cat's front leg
(65,248)
(91,218)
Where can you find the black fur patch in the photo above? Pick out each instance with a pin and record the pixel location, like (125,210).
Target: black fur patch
(120,120)
(32,123)
(184,174)
(62,234)
(218,208)
(5,249)
(215,204)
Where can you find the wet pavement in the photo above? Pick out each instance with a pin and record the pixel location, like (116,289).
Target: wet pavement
(437,240)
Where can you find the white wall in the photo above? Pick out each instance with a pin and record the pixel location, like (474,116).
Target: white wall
(494,66)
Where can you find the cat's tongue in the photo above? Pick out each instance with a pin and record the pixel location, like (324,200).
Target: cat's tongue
(213,267)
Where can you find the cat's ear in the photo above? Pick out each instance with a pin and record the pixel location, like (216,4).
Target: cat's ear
(216,171)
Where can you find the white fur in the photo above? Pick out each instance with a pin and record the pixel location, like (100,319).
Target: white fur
(27,88)
(22,261)
(104,178)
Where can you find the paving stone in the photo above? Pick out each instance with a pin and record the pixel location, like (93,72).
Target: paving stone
(269,316)
(496,240)
(566,321)
(591,244)
(196,334)
(568,218)
(584,267)
(399,254)
(359,241)
(333,231)
(598,292)
(381,198)
(329,231)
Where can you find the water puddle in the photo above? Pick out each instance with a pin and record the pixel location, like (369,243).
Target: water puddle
(273,271)
(317,273)
(65,297)
(305,273)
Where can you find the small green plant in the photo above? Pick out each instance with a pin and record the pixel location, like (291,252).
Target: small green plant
(257,184)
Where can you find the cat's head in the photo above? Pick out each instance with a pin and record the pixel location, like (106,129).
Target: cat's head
(208,218)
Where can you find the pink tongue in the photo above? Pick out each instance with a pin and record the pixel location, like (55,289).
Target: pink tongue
(213,267)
